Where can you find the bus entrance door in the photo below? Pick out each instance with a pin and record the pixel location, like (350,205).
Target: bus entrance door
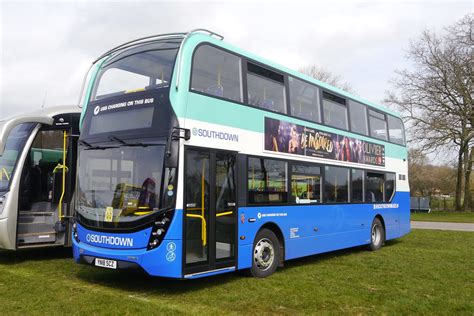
(45,189)
(210,209)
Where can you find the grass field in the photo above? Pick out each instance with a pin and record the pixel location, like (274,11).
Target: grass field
(425,272)
(439,216)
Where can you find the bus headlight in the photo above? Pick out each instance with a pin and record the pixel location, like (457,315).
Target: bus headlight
(159,229)
(3,200)
(74,230)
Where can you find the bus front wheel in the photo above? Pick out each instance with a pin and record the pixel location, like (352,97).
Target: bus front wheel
(377,235)
(265,254)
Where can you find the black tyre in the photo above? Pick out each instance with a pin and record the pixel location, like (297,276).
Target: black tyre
(265,255)
(377,235)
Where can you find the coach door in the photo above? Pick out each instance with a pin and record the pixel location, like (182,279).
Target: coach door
(210,209)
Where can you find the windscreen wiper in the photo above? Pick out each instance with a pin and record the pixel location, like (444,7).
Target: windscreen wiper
(92,147)
(124,143)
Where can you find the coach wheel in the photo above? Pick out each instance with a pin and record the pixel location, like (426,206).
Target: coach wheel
(265,254)
(377,235)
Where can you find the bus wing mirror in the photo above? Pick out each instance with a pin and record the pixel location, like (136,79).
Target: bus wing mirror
(184,133)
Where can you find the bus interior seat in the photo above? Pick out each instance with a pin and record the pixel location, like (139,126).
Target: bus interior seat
(216,90)
(268,104)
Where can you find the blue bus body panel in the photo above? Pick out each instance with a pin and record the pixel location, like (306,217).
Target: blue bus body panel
(307,230)
(314,229)
(165,260)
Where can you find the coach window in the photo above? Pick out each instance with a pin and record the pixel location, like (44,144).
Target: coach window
(378,125)
(396,131)
(267,181)
(305,184)
(217,73)
(357,186)
(304,100)
(374,187)
(266,88)
(358,117)
(389,186)
(336,185)
(334,111)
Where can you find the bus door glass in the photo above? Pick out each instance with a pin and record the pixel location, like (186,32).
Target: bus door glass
(210,208)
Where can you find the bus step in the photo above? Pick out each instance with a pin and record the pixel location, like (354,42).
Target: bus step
(36,218)
(35,228)
(36,238)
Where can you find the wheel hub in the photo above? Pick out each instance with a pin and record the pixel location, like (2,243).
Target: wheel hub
(376,235)
(264,254)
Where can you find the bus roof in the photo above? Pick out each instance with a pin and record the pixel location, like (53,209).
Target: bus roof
(43,116)
(198,38)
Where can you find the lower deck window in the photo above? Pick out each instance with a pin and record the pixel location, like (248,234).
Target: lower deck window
(336,185)
(305,184)
(267,181)
(389,186)
(374,187)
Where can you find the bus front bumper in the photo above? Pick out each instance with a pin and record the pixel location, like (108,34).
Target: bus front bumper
(164,261)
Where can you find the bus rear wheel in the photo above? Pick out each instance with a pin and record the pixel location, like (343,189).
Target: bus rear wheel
(377,235)
(265,254)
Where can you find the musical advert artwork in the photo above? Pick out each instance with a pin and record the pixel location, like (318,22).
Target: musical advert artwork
(290,138)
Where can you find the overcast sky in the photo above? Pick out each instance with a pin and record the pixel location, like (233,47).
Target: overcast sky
(47,46)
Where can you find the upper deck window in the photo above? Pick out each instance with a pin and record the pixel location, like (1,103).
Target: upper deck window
(335,111)
(304,100)
(396,130)
(358,117)
(146,67)
(266,88)
(378,125)
(217,73)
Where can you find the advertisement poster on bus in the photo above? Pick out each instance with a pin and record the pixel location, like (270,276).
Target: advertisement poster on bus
(286,137)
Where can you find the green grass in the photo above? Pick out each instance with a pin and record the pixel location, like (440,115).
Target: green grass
(440,216)
(425,272)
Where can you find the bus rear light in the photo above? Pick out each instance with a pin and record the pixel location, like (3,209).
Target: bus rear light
(160,228)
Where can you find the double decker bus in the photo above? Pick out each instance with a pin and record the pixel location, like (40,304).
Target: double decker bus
(198,158)
(37,175)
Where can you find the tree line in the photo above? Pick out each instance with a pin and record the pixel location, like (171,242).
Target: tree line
(435,99)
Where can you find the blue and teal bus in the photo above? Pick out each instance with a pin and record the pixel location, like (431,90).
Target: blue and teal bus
(198,158)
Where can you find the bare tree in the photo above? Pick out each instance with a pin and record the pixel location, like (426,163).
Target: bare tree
(435,95)
(326,76)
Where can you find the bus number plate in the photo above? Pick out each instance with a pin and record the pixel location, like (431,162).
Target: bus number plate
(105,263)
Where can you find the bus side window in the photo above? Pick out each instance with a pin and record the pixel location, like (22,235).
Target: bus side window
(378,125)
(396,130)
(304,100)
(357,186)
(336,184)
(305,184)
(267,181)
(335,111)
(389,186)
(266,89)
(217,73)
(374,187)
